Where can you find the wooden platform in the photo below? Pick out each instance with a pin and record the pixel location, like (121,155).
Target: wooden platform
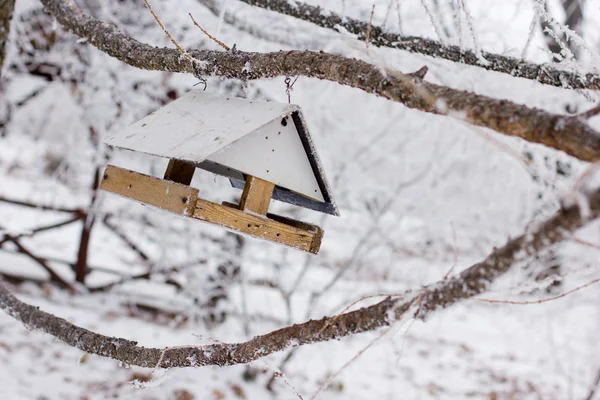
(251,218)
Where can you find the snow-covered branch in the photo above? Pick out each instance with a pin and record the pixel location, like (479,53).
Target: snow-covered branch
(571,135)
(469,283)
(379,37)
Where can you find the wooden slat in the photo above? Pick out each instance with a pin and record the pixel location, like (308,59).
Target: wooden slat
(257,195)
(169,196)
(180,172)
(304,236)
(318,232)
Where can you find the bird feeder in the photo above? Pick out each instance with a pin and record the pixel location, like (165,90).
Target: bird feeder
(263,148)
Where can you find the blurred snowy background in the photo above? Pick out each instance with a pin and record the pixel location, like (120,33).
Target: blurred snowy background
(419,195)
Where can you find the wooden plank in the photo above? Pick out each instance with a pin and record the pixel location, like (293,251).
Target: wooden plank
(169,196)
(180,172)
(257,195)
(304,237)
(318,232)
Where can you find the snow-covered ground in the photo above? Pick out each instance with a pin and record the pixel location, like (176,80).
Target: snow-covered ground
(449,193)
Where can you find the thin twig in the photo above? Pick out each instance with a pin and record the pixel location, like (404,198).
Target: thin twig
(158,21)
(542,300)
(115,229)
(53,275)
(43,207)
(217,41)
(368,35)
(41,229)
(586,243)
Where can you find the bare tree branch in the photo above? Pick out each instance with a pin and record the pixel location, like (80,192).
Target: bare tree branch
(571,135)
(545,74)
(121,235)
(77,211)
(41,262)
(469,283)
(32,232)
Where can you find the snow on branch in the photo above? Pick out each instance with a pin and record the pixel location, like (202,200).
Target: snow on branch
(571,135)
(545,74)
(467,284)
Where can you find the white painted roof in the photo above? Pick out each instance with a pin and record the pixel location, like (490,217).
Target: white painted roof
(248,136)
(197,125)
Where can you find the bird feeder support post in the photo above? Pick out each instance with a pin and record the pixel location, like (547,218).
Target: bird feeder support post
(180,172)
(257,195)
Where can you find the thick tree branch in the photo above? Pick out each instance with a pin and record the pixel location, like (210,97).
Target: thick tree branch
(467,284)
(570,135)
(545,74)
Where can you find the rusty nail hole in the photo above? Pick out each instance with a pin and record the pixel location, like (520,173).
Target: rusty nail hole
(278,235)
(284,121)
(249,225)
(266,137)
(129,187)
(105,177)
(273,150)
(184,199)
